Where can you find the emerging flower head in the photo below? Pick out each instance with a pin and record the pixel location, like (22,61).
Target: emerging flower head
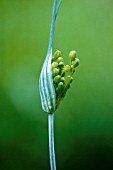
(62,74)
(56,79)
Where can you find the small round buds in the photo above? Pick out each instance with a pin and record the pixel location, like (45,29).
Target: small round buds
(54,65)
(77,61)
(55,72)
(57,54)
(66,68)
(60,86)
(72,66)
(62,79)
(61,64)
(72,55)
(72,69)
(60,59)
(57,78)
(68,79)
(62,74)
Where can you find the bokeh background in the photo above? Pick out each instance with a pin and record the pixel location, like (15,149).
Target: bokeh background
(84,121)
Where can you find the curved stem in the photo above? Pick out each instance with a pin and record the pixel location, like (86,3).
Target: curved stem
(52,25)
(54,16)
(58,7)
(51,116)
(51,141)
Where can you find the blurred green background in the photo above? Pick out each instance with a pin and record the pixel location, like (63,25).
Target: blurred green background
(84,121)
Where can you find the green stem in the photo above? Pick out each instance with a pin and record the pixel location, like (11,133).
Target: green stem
(51,141)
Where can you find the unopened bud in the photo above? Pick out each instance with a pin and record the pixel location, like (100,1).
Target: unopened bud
(54,65)
(60,59)
(60,86)
(77,61)
(68,79)
(57,78)
(55,72)
(62,79)
(57,54)
(66,68)
(72,55)
(61,64)
(71,66)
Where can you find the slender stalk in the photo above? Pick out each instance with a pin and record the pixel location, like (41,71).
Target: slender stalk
(51,116)
(51,141)
(52,25)
(54,16)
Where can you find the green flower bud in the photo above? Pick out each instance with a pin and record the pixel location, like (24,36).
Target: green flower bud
(62,79)
(77,61)
(60,82)
(66,68)
(57,54)
(54,65)
(72,66)
(73,63)
(60,86)
(57,78)
(55,72)
(61,64)
(72,69)
(52,85)
(68,79)
(72,55)
(60,59)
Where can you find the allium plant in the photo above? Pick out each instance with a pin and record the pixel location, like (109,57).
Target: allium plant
(55,80)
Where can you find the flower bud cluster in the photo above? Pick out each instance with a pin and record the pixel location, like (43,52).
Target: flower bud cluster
(62,74)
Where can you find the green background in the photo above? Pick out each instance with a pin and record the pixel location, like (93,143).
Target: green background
(84,121)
